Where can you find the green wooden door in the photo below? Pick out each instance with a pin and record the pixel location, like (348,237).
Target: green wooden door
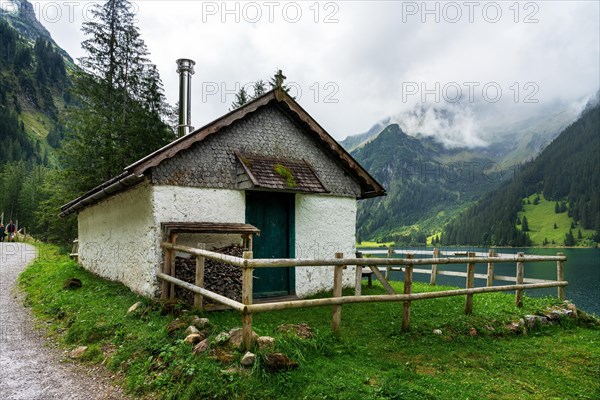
(273,214)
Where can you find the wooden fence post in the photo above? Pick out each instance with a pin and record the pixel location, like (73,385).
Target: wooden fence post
(470,284)
(338,274)
(560,276)
(388,270)
(434,267)
(520,275)
(490,269)
(199,281)
(247,300)
(408,272)
(358,277)
(172,264)
(166,269)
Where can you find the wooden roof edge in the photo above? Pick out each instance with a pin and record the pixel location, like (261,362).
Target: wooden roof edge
(247,169)
(372,189)
(347,160)
(200,134)
(112,186)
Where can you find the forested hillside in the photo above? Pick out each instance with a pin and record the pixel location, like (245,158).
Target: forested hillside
(65,130)
(426,184)
(567,172)
(33,87)
(34,93)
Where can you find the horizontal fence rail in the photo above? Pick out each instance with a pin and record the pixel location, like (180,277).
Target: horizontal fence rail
(248,264)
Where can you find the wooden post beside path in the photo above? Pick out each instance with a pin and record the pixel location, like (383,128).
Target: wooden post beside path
(520,276)
(358,277)
(434,267)
(408,272)
(199,281)
(560,276)
(490,269)
(247,300)
(338,274)
(470,284)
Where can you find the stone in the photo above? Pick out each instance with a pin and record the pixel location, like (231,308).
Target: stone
(134,307)
(571,307)
(265,342)
(235,338)
(175,325)
(200,347)
(200,323)
(221,355)
(191,330)
(248,359)
(193,338)
(437,331)
(72,283)
(275,362)
(517,327)
(78,352)
(303,331)
(222,338)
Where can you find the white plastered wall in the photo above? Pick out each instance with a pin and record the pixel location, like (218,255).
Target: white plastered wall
(324,225)
(190,204)
(117,239)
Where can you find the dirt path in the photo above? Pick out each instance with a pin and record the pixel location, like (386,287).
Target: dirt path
(30,367)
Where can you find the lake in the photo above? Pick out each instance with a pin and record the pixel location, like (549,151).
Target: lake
(582,271)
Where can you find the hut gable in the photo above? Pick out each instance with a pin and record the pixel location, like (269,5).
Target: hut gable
(267,133)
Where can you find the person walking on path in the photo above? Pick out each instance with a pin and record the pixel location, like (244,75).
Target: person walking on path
(2,232)
(11,229)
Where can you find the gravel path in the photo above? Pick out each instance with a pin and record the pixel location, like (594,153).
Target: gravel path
(30,367)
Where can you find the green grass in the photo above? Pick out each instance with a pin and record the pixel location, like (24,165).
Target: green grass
(366,244)
(371,360)
(36,124)
(541,219)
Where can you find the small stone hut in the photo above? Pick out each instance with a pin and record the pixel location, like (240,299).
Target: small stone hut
(268,164)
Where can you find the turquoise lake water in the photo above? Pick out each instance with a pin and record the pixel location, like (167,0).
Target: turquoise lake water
(582,271)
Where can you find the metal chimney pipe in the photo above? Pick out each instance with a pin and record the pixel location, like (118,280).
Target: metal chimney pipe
(185,69)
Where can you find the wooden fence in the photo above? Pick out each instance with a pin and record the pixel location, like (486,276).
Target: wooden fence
(248,264)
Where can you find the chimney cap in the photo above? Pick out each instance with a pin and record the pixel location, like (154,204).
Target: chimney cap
(185,64)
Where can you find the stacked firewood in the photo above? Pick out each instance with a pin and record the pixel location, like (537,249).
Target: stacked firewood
(219,277)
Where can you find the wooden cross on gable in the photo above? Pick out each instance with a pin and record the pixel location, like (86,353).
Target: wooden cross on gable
(279,78)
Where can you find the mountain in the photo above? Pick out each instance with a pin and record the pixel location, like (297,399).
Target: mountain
(20,15)
(34,91)
(435,160)
(427,184)
(567,172)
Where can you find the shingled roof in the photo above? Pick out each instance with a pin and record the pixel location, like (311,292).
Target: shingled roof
(135,173)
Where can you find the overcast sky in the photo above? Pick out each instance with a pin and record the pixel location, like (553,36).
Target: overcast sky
(352,63)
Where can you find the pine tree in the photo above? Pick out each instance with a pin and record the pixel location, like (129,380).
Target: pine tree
(121,98)
(569,239)
(241,98)
(259,88)
(579,235)
(524,224)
